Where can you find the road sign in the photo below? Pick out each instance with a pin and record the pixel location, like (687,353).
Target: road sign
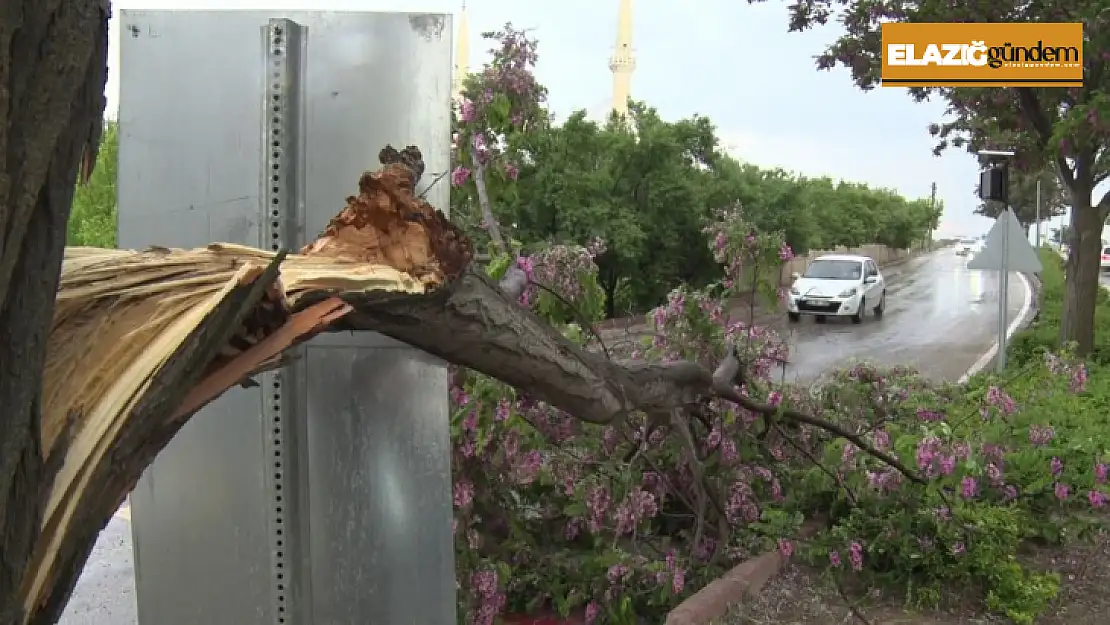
(1007,247)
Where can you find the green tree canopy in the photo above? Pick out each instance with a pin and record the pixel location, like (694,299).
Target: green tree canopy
(648,187)
(645,186)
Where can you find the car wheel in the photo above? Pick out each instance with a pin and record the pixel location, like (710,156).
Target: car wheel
(793,317)
(858,317)
(878,310)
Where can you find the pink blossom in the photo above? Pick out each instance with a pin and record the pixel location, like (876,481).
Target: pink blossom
(855,556)
(947,464)
(929,415)
(463,493)
(1041,435)
(678,581)
(459,176)
(1000,399)
(881,439)
(1096,498)
(728,451)
(1079,379)
(593,610)
(466,111)
(1062,491)
(786,548)
(1056,466)
(994,474)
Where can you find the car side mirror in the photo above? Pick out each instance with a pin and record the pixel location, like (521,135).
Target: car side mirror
(795,275)
(871,279)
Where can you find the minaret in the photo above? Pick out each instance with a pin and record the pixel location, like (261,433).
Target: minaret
(623,61)
(462,56)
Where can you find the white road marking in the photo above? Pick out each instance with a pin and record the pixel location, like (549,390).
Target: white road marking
(985,360)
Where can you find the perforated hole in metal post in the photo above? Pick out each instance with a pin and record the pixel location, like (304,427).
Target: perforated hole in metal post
(275,112)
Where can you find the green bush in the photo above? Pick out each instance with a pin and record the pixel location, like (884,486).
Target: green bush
(1008,459)
(92,219)
(1044,334)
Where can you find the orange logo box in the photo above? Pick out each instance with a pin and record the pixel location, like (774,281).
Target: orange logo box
(982,55)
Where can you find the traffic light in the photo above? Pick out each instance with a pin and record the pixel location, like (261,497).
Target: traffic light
(994,183)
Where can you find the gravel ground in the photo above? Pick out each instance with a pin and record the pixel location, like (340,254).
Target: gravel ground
(800,596)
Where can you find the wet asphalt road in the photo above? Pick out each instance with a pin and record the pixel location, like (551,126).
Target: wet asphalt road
(932,321)
(940,317)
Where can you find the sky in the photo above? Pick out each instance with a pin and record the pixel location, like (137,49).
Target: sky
(725,59)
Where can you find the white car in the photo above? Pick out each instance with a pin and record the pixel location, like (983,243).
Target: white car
(1105,264)
(838,285)
(965,247)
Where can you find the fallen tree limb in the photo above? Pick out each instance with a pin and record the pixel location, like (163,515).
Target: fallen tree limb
(471,323)
(142,340)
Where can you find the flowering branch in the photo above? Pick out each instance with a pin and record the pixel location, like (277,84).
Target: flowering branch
(502,100)
(488,218)
(472,323)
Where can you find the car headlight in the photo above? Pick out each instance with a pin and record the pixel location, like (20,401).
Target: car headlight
(848,292)
(795,291)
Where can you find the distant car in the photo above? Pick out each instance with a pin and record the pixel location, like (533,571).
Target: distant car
(838,285)
(965,247)
(1105,264)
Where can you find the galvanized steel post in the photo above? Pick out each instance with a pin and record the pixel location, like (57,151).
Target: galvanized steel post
(324,495)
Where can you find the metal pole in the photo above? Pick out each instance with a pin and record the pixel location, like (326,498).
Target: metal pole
(1037,240)
(932,208)
(1003,297)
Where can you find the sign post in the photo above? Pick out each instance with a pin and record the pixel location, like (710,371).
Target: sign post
(322,494)
(1007,249)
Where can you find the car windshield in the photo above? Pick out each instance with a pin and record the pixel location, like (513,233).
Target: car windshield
(828,269)
(967,242)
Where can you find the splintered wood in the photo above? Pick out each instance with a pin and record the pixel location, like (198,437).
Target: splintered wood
(386,225)
(122,317)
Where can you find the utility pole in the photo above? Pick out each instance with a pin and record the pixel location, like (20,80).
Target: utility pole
(1037,237)
(933,209)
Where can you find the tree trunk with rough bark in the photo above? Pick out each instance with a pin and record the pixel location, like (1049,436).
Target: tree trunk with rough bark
(1082,271)
(53,67)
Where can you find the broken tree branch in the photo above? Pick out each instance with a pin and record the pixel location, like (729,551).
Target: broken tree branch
(141,340)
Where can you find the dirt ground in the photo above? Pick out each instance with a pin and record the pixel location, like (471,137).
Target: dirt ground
(800,597)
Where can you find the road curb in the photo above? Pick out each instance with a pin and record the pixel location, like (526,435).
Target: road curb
(713,601)
(742,581)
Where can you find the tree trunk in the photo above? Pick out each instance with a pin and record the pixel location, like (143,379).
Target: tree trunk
(53,67)
(1082,276)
